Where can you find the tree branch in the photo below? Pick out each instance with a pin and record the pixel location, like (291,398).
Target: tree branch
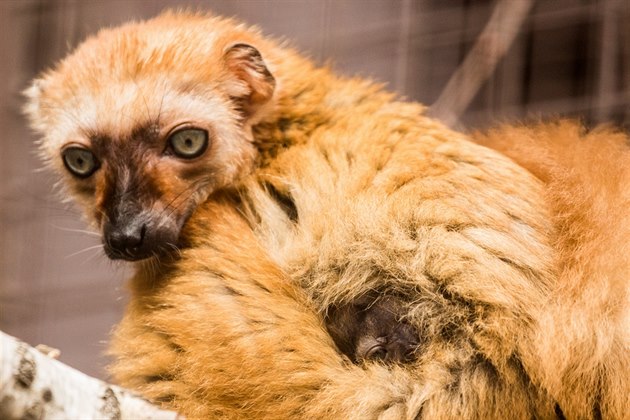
(490,47)
(35,386)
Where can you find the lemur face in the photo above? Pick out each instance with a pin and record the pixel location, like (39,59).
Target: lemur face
(144,184)
(142,137)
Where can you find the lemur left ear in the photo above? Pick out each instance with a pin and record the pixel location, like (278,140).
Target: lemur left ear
(32,109)
(246,63)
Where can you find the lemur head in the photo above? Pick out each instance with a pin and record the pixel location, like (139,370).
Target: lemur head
(145,121)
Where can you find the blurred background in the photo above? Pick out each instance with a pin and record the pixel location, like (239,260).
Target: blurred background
(555,58)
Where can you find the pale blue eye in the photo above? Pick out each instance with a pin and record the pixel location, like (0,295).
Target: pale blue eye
(79,161)
(189,143)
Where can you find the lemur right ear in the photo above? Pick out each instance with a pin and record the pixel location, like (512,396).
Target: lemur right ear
(246,63)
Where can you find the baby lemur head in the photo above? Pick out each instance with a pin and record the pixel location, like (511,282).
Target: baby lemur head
(147,120)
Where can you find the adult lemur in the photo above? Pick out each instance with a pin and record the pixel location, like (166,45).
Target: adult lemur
(271,197)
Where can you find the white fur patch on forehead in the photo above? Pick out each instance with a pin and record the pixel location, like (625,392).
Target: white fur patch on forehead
(119,109)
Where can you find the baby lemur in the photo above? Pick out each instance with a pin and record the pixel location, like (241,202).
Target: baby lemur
(372,329)
(262,197)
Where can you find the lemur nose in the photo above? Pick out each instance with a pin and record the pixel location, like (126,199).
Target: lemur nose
(126,240)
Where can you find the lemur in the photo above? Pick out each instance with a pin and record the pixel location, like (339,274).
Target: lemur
(264,199)
(142,186)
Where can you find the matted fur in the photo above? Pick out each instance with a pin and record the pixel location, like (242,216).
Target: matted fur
(516,282)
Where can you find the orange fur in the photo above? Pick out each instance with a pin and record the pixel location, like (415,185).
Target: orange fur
(492,267)
(583,345)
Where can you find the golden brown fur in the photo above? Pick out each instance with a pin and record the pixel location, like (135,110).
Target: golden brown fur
(517,283)
(584,337)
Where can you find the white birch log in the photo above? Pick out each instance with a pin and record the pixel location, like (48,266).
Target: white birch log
(35,386)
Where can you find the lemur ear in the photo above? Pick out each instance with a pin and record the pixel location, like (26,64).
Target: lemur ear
(32,108)
(246,63)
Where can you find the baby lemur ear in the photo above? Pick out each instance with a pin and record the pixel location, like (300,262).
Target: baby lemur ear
(246,63)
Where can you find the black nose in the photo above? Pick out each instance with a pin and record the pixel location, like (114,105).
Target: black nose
(126,240)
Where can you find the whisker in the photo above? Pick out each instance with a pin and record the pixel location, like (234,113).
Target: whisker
(103,214)
(155,259)
(90,248)
(174,247)
(83,231)
(185,190)
(91,258)
(159,114)
(170,208)
(144,99)
(136,121)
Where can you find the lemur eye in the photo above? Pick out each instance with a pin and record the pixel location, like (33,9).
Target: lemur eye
(189,142)
(80,161)
(377,352)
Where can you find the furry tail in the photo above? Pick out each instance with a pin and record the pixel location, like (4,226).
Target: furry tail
(582,347)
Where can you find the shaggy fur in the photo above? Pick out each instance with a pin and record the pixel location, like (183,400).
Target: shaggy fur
(517,283)
(583,342)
